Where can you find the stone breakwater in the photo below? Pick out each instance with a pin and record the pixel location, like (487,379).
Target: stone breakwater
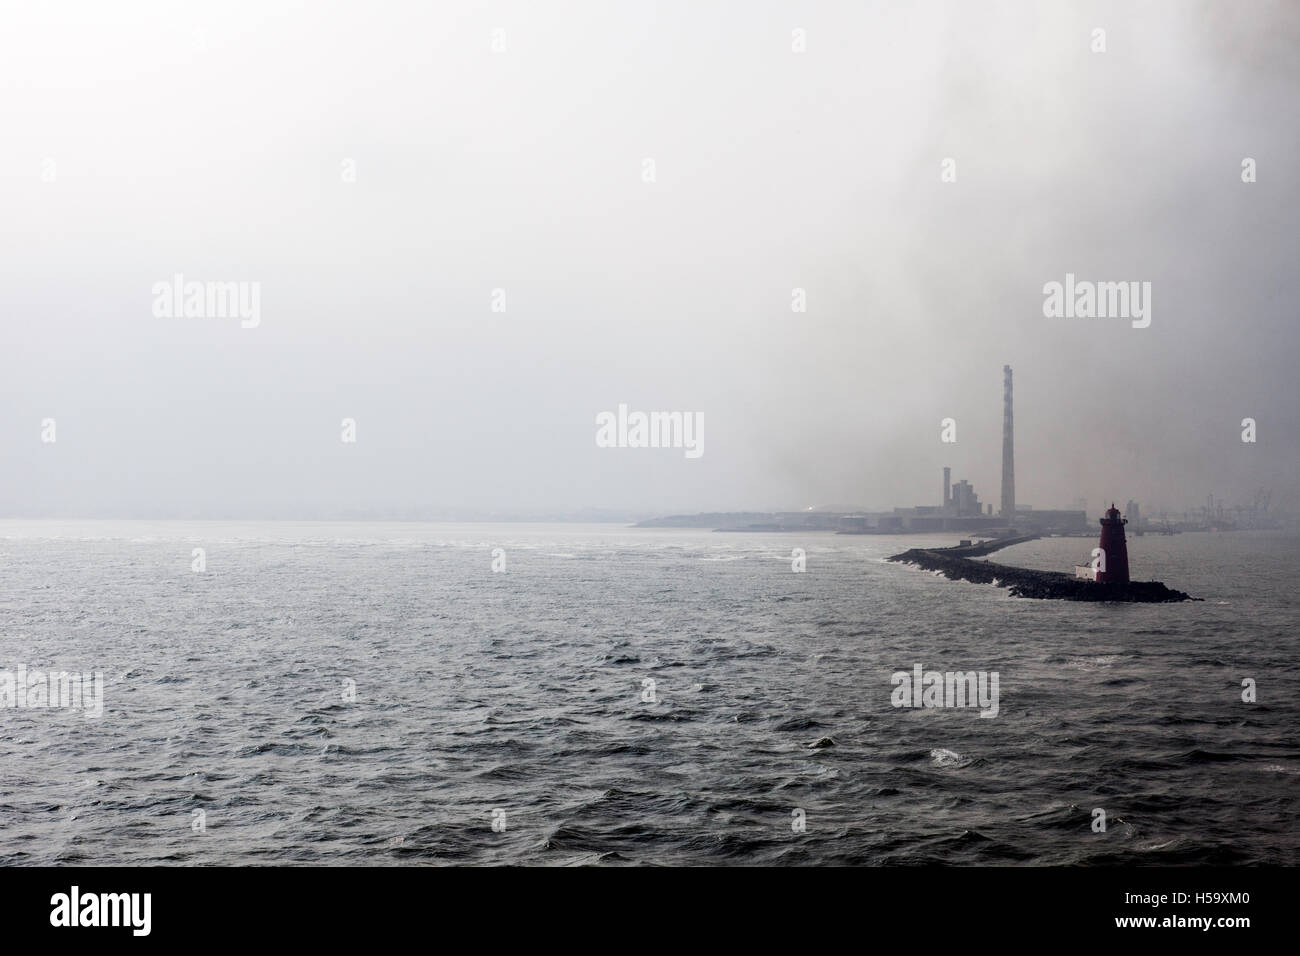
(959,564)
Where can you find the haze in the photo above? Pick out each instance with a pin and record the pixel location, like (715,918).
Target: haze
(211,142)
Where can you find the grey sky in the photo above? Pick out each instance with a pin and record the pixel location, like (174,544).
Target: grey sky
(210,143)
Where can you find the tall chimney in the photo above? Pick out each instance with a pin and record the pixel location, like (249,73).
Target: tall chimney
(947,487)
(1008,450)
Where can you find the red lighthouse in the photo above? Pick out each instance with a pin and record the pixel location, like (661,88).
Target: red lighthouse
(1112,568)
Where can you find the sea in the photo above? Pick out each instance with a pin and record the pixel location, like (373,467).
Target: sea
(391,693)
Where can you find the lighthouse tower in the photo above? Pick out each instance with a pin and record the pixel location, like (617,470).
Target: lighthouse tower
(1114,549)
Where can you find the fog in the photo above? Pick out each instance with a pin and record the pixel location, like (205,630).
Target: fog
(379,170)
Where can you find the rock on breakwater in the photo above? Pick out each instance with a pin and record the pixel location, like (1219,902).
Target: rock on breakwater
(958,564)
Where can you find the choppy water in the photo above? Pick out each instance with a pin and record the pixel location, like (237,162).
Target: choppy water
(521,691)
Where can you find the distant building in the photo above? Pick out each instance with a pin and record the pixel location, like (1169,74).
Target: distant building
(1052,519)
(962,510)
(1008,449)
(959,500)
(965,502)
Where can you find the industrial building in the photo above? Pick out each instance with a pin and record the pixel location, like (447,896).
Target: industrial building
(961,509)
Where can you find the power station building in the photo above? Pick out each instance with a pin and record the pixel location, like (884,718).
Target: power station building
(961,509)
(960,500)
(1024,517)
(1008,450)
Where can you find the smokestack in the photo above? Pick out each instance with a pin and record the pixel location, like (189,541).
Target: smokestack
(947,487)
(1008,450)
